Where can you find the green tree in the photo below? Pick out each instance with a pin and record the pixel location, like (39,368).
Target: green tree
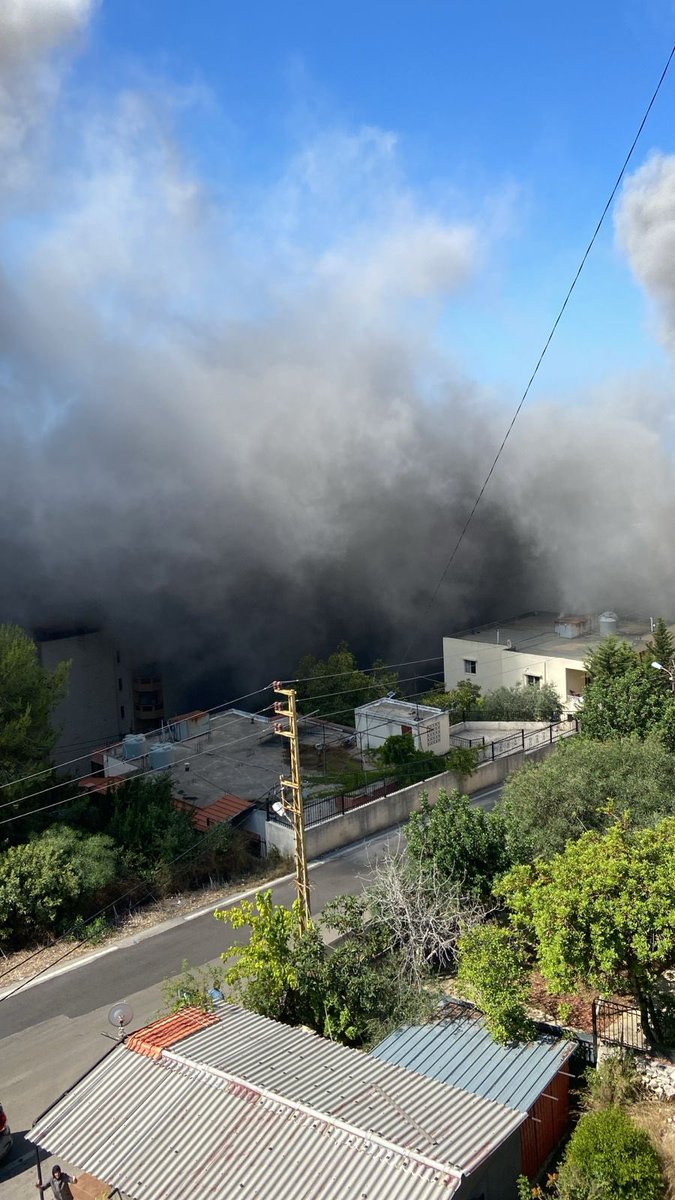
(523,702)
(44,882)
(602,913)
(349,992)
(465,845)
(462,701)
(334,687)
(625,696)
(493,973)
(28,697)
(609,1156)
(661,647)
(581,786)
(150,831)
(398,754)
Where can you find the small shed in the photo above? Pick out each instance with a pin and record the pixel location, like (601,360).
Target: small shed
(530,1078)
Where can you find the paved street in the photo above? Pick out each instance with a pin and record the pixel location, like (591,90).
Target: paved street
(51,1032)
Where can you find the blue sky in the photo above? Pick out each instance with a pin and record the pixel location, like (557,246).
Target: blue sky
(520,110)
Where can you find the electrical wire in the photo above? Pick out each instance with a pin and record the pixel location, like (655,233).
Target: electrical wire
(547,343)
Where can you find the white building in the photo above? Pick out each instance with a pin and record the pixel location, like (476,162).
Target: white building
(375,722)
(98,708)
(538,648)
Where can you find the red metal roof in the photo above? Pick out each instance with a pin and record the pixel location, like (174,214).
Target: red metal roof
(166,1032)
(225,809)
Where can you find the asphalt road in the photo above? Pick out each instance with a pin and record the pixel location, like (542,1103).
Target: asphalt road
(51,1032)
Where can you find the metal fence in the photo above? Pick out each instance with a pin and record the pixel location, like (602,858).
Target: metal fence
(520,739)
(618,1024)
(322,808)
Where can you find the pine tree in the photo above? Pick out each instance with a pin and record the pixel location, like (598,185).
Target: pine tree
(662,646)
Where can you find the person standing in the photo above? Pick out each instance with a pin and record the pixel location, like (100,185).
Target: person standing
(59,1183)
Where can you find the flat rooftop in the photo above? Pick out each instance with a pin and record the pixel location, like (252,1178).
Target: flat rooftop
(534,633)
(240,755)
(400,710)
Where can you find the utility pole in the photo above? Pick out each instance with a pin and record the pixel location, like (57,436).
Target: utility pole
(291,797)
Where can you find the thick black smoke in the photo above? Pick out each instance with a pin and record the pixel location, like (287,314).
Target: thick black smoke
(226,430)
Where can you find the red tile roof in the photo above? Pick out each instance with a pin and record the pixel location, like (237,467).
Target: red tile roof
(161,1034)
(225,809)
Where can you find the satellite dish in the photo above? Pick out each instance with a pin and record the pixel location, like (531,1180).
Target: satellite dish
(120,1015)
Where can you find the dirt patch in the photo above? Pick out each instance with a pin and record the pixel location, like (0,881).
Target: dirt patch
(575,1010)
(657,1118)
(24,964)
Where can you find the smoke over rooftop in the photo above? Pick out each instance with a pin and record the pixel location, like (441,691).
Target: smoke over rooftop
(227,428)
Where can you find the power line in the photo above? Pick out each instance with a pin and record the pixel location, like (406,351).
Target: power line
(548,341)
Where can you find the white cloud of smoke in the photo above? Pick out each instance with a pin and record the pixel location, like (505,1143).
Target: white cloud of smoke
(217,432)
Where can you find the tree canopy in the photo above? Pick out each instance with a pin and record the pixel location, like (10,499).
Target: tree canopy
(579,787)
(661,647)
(465,845)
(625,696)
(28,697)
(602,913)
(334,687)
(609,1156)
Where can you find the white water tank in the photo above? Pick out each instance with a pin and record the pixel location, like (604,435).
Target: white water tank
(608,624)
(133,746)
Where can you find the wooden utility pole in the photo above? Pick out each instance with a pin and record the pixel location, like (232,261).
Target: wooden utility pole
(291,797)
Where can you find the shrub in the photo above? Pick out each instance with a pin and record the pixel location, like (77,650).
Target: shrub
(493,972)
(614,1082)
(609,1157)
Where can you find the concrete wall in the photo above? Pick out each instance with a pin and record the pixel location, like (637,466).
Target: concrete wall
(99,706)
(381,814)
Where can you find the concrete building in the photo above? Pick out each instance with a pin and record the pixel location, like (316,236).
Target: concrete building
(99,706)
(429,726)
(537,648)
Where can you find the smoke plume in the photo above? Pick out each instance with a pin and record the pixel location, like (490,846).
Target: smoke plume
(228,431)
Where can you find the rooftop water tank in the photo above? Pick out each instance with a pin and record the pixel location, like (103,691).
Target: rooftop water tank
(608,624)
(161,756)
(133,746)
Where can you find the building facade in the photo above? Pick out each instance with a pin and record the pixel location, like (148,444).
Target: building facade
(381,719)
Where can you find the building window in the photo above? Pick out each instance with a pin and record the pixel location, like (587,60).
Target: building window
(118,657)
(434,734)
(121,712)
(533,680)
(470,666)
(119,685)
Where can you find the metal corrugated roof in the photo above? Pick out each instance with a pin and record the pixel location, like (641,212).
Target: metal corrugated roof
(459,1050)
(159,1128)
(248,1103)
(349,1084)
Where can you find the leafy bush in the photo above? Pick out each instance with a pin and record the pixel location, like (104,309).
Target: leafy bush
(43,882)
(465,845)
(615,1082)
(493,973)
(524,702)
(192,988)
(609,1157)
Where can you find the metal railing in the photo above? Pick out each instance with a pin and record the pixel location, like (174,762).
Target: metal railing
(322,808)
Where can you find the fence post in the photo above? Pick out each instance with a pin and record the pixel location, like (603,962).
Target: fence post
(550,730)
(522,738)
(342,803)
(384,782)
(595,1028)
(492,747)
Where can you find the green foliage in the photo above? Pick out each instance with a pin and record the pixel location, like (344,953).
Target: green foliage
(603,913)
(42,882)
(465,845)
(493,973)
(339,673)
(661,648)
(523,702)
(463,760)
(28,696)
(398,755)
(609,1156)
(579,788)
(347,993)
(615,1082)
(148,827)
(191,989)
(462,702)
(625,696)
